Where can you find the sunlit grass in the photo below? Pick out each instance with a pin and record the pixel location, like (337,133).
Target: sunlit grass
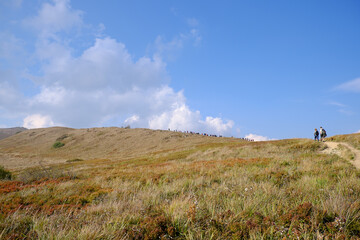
(233,190)
(352,139)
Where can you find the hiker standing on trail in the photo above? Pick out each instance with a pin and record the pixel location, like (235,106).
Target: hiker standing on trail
(316,135)
(322,134)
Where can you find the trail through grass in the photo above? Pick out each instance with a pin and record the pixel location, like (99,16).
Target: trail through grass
(338,148)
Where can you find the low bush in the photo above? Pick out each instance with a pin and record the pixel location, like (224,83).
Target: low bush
(4,174)
(58,144)
(155,226)
(62,137)
(42,172)
(23,228)
(74,160)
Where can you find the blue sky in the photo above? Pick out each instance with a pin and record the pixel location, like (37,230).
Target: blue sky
(258,69)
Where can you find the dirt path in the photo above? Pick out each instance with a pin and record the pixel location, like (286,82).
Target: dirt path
(334,149)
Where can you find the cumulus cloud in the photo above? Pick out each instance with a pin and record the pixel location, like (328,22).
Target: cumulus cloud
(183,119)
(217,125)
(55,17)
(37,121)
(258,138)
(12,61)
(52,96)
(11,47)
(9,96)
(102,84)
(106,63)
(350,86)
(178,118)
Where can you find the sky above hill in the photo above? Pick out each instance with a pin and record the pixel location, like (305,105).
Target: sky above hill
(257,69)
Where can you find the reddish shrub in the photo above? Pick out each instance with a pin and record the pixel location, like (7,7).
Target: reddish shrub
(152,227)
(14,186)
(191,214)
(301,214)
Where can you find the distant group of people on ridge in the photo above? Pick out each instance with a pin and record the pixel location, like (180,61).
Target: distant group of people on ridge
(322,134)
(209,135)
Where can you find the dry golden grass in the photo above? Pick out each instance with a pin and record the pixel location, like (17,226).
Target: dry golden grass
(352,139)
(202,188)
(30,147)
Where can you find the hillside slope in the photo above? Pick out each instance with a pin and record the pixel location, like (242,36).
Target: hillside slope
(7,132)
(30,147)
(352,139)
(144,184)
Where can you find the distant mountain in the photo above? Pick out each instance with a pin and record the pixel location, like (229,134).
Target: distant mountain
(7,132)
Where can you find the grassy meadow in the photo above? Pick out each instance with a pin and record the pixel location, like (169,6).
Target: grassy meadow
(285,189)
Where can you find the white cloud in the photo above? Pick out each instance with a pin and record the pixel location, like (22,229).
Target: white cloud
(342,108)
(9,96)
(217,125)
(178,118)
(99,31)
(102,84)
(169,50)
(350,86)
(183,119)
(337,104)
(37,121)
(195,34)
(132,119)
(106,63)
(55,17)
(258,137)
(346,112)
(10,47)
(50,96)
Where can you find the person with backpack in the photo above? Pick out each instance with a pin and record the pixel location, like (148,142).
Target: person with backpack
(322,134)
(316,135)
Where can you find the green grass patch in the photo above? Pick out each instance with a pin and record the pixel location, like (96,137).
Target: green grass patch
(5,174)
(62,137)
(58,144)
(39,173)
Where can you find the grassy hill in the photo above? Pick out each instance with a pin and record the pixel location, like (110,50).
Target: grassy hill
(111,183)
(7,132)
(29,148)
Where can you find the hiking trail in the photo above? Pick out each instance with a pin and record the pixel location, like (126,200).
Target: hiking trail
(333,148)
